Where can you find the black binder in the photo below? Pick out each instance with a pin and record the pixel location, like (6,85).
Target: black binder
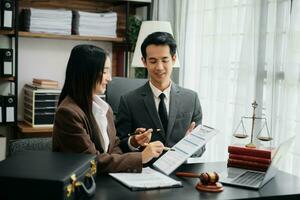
(0,14)
(6,62)
(45,175)
(1,109)
(9,106)
(7,14)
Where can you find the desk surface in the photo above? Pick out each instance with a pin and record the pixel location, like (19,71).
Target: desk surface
(283,186)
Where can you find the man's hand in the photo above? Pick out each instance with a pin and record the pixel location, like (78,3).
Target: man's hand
(192,126)
(142,136)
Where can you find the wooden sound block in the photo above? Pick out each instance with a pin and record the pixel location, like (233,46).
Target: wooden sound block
(217,187)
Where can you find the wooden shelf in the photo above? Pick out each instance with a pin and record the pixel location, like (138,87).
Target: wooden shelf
(7,32)
(10,78)
(25,130)
(71,37)
(136,3)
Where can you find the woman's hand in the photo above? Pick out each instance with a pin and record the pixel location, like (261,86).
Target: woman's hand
(152,150)
(142,136)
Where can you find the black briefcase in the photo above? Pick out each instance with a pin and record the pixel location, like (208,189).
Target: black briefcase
(47,175)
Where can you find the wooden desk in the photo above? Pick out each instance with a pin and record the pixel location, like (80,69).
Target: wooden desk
(283,186)
(25,131)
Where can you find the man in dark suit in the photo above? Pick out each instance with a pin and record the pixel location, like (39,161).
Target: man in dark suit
(162,110)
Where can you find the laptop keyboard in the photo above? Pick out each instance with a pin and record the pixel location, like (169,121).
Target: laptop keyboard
(249,178)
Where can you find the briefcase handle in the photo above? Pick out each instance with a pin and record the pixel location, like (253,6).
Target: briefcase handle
(75,185)
(88,192)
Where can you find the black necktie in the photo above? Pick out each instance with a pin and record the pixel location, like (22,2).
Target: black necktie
(162,111)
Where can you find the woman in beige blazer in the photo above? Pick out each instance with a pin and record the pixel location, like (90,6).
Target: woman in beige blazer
(84,123)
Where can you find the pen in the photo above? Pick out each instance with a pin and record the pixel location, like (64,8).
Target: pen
(137,133)
(168,149)
(165,148)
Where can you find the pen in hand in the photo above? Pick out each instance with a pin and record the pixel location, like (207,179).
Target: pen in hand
(137,133)
(165,148)
(168,149)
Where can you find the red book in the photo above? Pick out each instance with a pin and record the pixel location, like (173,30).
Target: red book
(256,152)
(250,158)
(247,165)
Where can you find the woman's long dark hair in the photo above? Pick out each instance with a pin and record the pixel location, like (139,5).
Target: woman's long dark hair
(84,70)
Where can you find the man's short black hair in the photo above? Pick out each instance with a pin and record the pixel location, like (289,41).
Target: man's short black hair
(159,38)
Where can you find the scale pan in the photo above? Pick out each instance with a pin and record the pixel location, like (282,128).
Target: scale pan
(264,138)
(240,135)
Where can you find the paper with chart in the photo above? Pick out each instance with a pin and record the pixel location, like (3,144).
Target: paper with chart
(148,179)
(186,147)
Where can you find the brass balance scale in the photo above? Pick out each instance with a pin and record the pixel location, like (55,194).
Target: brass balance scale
(259,135)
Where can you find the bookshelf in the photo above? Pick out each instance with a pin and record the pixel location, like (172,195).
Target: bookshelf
(11,79)
(25,130)
(7,32)
(9,68)
(119,44)
(71,37)
(123,8)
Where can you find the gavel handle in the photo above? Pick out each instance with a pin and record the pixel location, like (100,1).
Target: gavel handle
(187,174)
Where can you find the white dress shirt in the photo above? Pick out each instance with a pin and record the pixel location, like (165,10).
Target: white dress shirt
(100,109)
(156,92)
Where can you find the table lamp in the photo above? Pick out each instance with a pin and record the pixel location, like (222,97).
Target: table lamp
(146,29)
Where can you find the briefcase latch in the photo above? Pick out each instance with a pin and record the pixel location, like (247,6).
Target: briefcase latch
(75,183)
(93,170)
(71,186)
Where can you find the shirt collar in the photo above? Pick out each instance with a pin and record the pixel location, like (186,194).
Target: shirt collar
(157,92)
(99,105)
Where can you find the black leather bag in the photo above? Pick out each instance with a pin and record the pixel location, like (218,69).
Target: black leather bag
(47,175)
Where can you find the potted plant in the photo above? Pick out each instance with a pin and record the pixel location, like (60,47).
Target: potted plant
(134,25)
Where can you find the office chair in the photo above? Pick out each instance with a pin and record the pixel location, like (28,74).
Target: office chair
(30,144)
(118,87)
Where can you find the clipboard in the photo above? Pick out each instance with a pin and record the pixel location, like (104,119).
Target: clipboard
(149,179)
(185,148)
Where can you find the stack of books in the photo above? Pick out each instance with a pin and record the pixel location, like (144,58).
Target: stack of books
(45,83)
(258,158)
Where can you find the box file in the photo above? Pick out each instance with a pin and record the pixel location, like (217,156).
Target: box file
(7,14)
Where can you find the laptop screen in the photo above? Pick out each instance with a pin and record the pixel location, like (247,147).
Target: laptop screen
(279,154)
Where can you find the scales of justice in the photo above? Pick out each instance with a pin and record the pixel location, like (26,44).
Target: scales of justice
(259,136)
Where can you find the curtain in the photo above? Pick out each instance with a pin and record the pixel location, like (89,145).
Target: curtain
(234,52)
(281,89)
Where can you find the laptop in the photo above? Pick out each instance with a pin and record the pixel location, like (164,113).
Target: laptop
(255,179)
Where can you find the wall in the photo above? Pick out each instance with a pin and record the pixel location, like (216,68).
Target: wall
(45,58)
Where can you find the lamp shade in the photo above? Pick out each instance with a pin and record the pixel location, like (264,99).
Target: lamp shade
(146,29)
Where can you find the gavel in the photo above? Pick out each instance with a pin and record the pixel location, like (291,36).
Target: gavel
(208,181)
(205,178)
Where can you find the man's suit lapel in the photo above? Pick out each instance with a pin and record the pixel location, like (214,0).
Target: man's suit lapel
(151,109)
(174,103)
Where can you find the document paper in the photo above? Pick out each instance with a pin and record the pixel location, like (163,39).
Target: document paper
(186,147)
(148,179)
